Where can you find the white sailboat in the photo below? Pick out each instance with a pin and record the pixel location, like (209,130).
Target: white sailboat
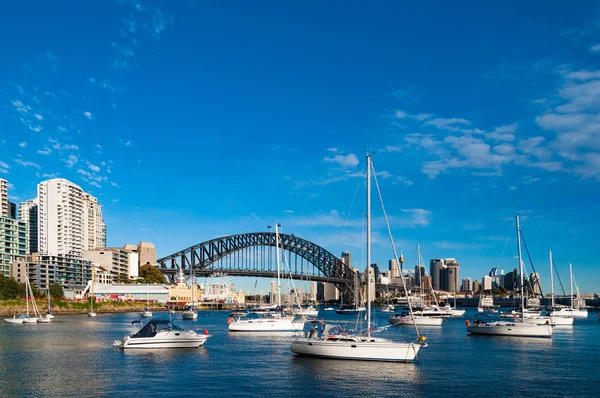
(275,322)
(336,342)
(49,312)
(92,314)
(516,328)
(24,318)
(190,314)
(146,313)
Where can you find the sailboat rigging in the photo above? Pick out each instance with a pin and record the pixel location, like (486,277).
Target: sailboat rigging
(335,341)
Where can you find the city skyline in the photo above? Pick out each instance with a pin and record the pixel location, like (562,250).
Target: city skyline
(190,122)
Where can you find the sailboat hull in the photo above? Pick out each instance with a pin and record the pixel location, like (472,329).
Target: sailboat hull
(545,320)
(511,329)
(266,325)
(14,320)
(189,315)
(373,350)
(418,320)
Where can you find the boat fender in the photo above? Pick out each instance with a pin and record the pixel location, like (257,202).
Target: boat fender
(206,332)
(229,320)
(467,323)
(547,322)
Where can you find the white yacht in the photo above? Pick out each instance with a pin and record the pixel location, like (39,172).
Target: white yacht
(334,341)
(406,319)
(452,311)
(146,313)
(307,310)
(190,314)
(350,309)
(269,322)
(518,328)
(158,333)
(387,308)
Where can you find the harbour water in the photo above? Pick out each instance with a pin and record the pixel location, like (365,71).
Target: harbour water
(73,356)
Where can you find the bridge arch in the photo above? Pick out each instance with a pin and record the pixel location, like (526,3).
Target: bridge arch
(206,256)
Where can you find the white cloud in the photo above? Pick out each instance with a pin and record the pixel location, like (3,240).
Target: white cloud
(95,184)
(402,180)
(391,148)
(349,160)
(503,133)
(71,160)
(25,163)
(88,114)
(400,114)
(288,211)
(4,165)
(418,218)
(444,123)
(93,167)
(125,142)
(595,48)
(71,147)
(23,144)
(45,151)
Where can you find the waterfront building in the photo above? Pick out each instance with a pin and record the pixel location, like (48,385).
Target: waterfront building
(426,282)
(510,280)
(180,294)
(132,292)
(312,297)
(451,273)
(114,260)
(72,273)
(476,286)
(13,243)
(94,228)
(28,212)
(60,218)
(147,253)
(4,208)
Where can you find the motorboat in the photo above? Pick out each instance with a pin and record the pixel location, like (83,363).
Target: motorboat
(91,314)
(350,309)
(269,322)
(387,308)
(329,309)
(43,319)
(146,313)
(159,333)
(563,311)
(406,319)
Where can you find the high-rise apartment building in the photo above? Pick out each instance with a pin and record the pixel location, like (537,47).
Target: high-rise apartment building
(28,212)
(467,285)
(393,268)
(13,243)
(419,274)
(435,269)
(486,282)
(94,228)
(60,218)
(4,208)
(452,275)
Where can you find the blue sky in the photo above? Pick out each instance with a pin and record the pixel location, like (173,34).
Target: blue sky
(193,120)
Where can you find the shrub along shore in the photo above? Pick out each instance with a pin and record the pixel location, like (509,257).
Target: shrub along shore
(16,306)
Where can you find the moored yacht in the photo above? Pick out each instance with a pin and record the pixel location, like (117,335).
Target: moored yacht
(335,342)
(350,309)
(406,319)
(517,328)
(158,333)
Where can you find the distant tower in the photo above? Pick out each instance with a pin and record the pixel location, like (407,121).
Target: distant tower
(347,258)
(435,269)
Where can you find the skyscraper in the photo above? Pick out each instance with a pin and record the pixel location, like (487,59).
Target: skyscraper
(347,258)
(419,274)
(394,269)
(435,270)
(452,275)
(93,226)
(60,218)
(12,210)
(28,212)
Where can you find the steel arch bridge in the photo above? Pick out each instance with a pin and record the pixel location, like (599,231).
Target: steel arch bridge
(254,254)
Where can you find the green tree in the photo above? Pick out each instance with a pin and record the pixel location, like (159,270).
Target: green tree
(151,274)
(10,288)
(56,291)
(123,278)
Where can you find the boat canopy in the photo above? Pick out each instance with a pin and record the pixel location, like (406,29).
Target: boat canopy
(154,326)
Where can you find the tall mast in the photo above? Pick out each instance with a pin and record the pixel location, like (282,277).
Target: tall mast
(571,280)
(369,245)
(277,257)
(27,293)
(520,268)
(551,283)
